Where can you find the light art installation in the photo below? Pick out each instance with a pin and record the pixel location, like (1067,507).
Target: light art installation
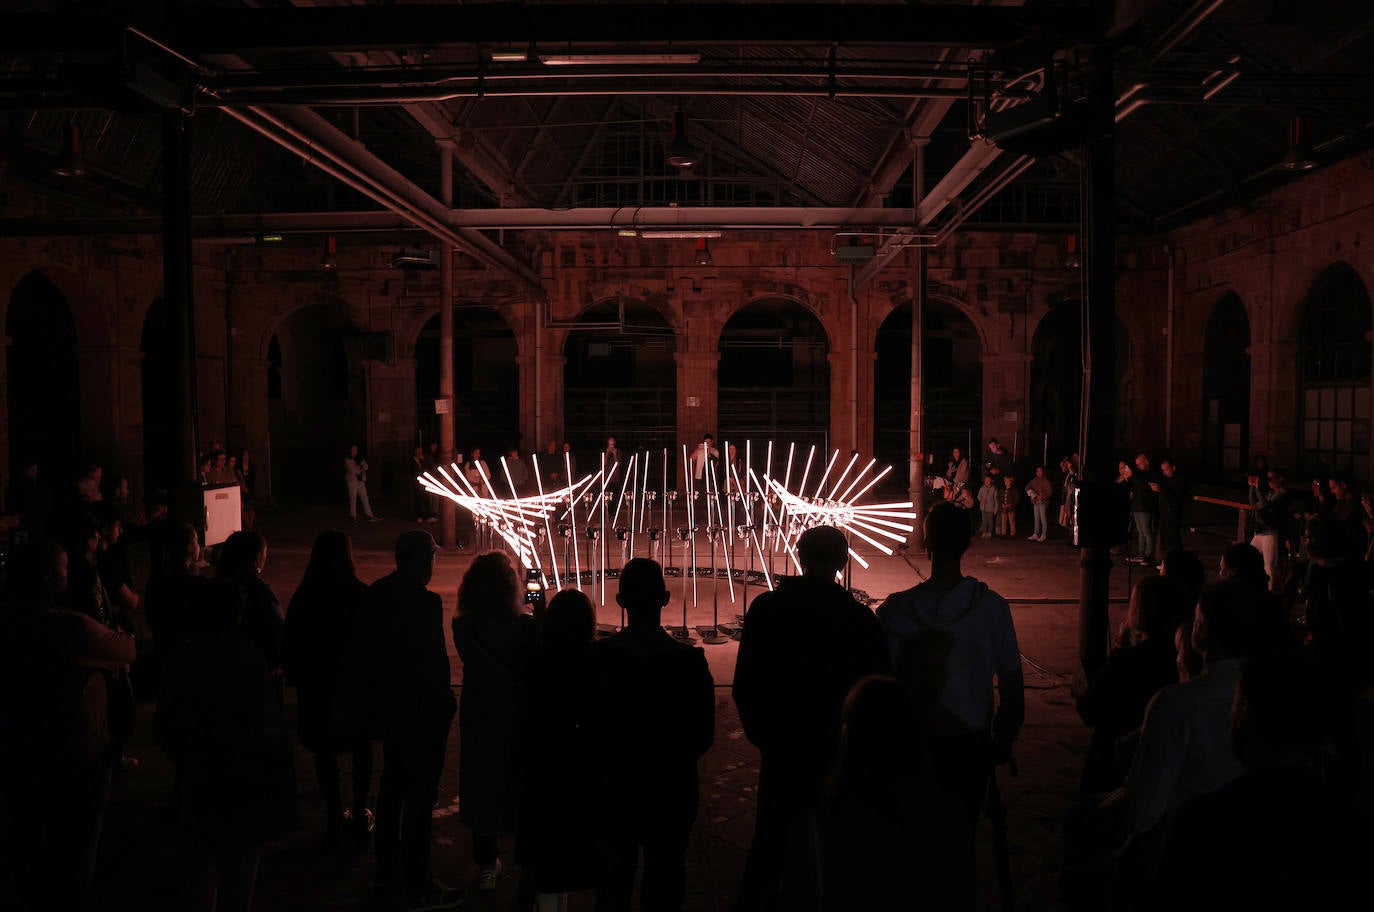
(526,524)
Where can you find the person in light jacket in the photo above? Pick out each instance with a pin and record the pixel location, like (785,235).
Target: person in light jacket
(355,478)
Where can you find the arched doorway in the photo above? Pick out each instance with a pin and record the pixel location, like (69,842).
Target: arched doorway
(162,427)
(44,382)
(952,384)
(1056,384)
(486,382)
(774,376)
(315,405)
(1226,387)
(620,379)
(1333,405)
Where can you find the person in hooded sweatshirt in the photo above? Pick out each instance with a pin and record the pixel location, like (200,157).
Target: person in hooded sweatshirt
(949,638)
(790,687)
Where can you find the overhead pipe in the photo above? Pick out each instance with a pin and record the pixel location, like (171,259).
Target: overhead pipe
(286,136)
(410,77)
(382,96)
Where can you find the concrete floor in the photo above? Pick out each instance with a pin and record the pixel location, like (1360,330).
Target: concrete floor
(1040,580)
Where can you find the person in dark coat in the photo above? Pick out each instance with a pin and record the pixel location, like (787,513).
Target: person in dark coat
(1114,701)
(241,559)
(171,577)
(321,646)
(659,702)
(1172,489)
(790,686)
(410,708)
(564,750)
(57,750)
(219,720)
(496,644)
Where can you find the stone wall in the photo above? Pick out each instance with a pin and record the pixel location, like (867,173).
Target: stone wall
(1267,253)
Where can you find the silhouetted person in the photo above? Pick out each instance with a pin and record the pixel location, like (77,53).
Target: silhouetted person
(411,707)
(496,644)
(55,715)
(790,686)
(28,499)
(219,719)
(241,559)
(1279,836)
(1172,489)
(950,637)
(322,645)
(1185,568)
(1114,702)
(171,576)
(1183,750)
(565,755)
(659,702)
(885,836)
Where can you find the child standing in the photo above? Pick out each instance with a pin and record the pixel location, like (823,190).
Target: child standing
(1006,518)
(987,505)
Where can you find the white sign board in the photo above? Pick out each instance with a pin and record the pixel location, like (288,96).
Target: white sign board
(223,512)
(443,406)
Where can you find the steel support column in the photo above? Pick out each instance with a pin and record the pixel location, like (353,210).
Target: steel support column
(178,285)
(1098,415)
(918,310)
(448,511)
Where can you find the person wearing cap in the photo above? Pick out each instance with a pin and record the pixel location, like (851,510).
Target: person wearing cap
(660,718)
(804,647)
(410,710)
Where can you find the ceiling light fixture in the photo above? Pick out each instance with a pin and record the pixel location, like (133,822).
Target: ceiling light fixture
(678,233)
(509,55)
(69,162)
(681,153)
(330,260)
(1299,154)
(618,59)
(703,254)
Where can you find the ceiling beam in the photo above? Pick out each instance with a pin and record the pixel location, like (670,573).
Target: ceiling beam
(249,225)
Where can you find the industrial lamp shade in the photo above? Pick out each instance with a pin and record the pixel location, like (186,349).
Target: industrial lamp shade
(1299,154)
(69,162)
(681,153)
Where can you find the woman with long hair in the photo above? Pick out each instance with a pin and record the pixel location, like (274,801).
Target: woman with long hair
(496,644)
(556,857)
(321,651)
(241,559)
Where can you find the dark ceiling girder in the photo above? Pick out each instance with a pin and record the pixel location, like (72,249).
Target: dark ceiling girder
(391,27)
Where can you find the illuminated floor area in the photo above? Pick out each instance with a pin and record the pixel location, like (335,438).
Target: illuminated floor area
(138,869)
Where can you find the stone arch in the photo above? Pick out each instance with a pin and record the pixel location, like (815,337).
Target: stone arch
(44,380)
(598,295)
(486,349)
(161,380)
(321,407)
(953,382)
(413,324)
(774,391)
(1334,372)
(947,297)
(621,383)
(1226,386)
(92,313)
(1054,395)
(804,301)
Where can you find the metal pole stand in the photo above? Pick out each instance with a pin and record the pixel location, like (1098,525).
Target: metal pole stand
(669,508)
(770,535)
(623,535)
(565,532)
(682,633)
(593,536)
(655,542)
(647,514)
(712,635)
(745,533)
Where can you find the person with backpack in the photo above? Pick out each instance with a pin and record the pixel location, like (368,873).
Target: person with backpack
(950,638)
